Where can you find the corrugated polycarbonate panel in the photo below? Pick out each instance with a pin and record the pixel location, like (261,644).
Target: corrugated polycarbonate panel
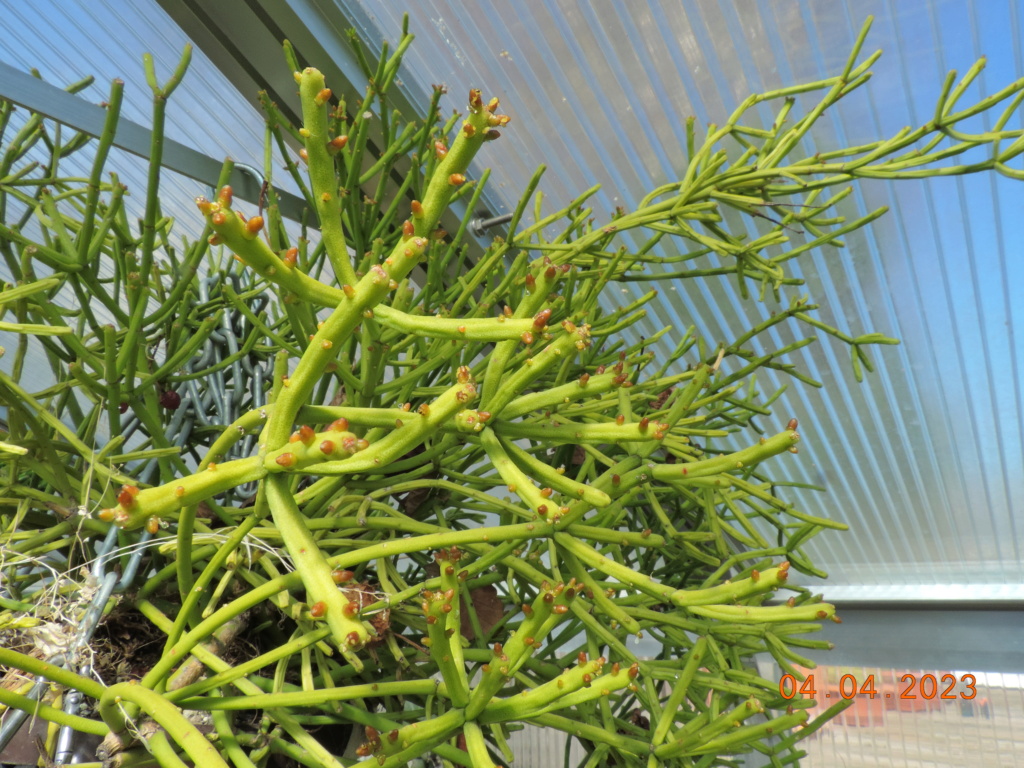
(924,460)
(68,41)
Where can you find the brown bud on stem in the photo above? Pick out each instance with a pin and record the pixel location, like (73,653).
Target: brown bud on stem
(342,576)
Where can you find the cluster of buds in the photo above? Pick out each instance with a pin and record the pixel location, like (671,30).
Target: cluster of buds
(656,429)
(448,556)
(436,604)
(545,276)
(222,217)
(468,420)
(581,332)
(306,446)
(477,107)
(372,743)
(121,514)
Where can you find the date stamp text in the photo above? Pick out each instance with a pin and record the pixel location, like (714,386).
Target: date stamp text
(927,687)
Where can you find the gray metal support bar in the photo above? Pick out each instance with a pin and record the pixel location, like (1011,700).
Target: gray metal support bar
(68,109)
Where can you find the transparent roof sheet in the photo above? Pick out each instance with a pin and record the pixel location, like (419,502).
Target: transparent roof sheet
(69,41)
(924,460)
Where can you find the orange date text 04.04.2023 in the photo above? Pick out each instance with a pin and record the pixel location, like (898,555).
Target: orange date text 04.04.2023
(928,686)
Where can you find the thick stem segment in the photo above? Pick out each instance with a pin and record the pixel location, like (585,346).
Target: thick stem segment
(405,437)
(168,716)
(730,591)
(348,633)
(137,507)
(442,609)
(323,178)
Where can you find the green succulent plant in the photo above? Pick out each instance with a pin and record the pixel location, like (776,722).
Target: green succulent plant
(474,484)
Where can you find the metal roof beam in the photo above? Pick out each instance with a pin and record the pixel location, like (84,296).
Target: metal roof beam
(66,108)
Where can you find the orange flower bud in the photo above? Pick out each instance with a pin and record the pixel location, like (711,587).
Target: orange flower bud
(456,179)
(126,498)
